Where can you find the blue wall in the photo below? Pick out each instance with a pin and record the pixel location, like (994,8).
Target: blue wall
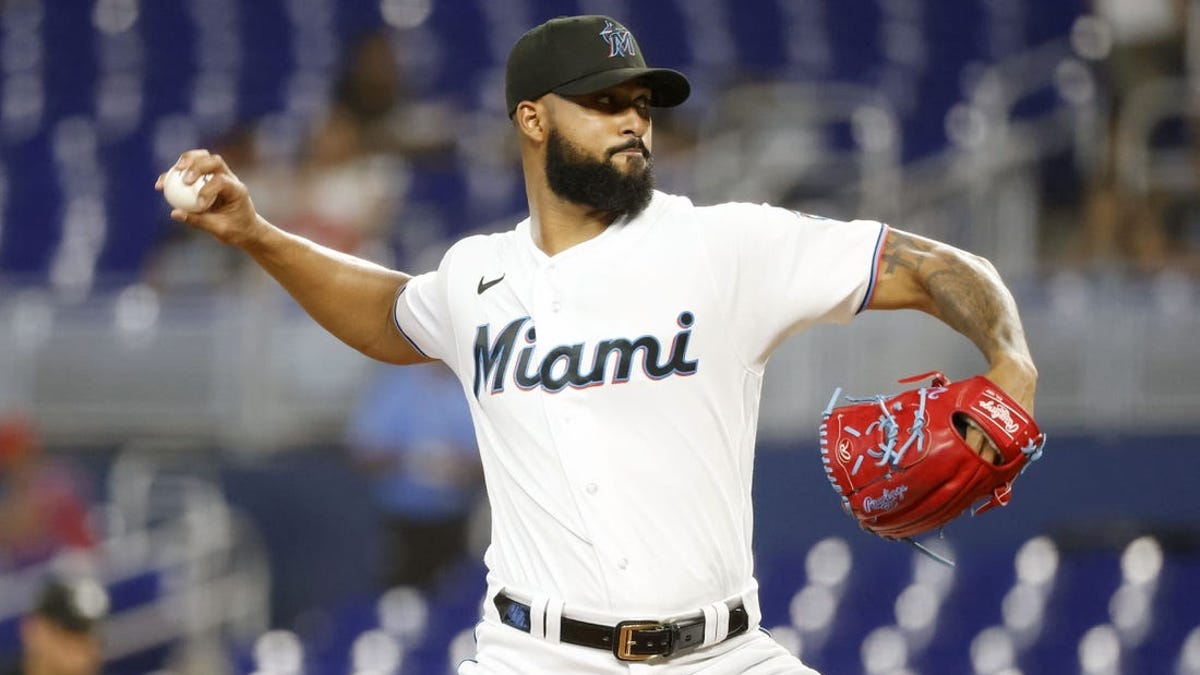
(1093,487)
(1091,493)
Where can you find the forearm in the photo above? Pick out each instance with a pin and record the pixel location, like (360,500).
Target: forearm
(350,297)
(969,296)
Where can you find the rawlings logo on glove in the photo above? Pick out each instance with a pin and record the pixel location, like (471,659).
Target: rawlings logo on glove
(901,463)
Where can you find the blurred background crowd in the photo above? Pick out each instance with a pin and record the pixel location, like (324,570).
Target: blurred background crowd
(194,478)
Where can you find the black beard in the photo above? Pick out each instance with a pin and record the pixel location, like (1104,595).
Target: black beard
(598,185)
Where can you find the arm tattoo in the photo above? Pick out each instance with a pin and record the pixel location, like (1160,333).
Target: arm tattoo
(903,250)
(965,292)
(972,303)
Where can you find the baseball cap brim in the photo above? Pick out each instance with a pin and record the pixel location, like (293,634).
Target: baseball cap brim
(668,88)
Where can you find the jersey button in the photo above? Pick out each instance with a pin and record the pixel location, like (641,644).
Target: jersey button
(555,306)
(592,488)
(623,563)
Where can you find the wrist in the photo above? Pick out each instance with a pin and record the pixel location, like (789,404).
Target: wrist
(1018,361)
(256,238)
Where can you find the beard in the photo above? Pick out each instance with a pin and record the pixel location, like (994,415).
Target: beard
(596,184)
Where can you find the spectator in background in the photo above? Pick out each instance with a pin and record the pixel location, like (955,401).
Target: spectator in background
(354,171)
(60,634)
(342,194)
(374,90)
(1125,226)
(412,434)
(42,510)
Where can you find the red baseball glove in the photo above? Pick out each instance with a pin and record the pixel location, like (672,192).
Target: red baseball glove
(902,465)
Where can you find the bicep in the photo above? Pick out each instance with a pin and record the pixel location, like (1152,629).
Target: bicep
(939,279)
(961,289)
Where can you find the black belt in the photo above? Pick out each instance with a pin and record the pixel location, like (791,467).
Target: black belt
(628,640)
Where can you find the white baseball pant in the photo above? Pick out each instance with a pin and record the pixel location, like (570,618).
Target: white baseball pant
(506,651)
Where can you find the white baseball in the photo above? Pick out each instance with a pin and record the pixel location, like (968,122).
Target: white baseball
(181,195)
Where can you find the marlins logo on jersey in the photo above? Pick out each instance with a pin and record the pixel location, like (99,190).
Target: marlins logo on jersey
(619,39)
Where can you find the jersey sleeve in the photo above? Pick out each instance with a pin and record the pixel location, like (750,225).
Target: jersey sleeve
(791,270)
(421,313)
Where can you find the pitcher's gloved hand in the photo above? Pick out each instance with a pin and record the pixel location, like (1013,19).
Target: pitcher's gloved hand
(902,463)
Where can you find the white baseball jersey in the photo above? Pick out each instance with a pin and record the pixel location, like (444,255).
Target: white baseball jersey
(615,389)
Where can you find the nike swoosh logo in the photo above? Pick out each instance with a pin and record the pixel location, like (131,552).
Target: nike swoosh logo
(484,285)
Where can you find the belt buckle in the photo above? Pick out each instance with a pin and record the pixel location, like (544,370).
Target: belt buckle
(626,640)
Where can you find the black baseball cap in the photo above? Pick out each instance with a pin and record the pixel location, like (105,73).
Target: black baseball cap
(573,55)
(75,605)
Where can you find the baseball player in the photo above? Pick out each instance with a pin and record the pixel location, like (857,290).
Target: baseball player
(611,347)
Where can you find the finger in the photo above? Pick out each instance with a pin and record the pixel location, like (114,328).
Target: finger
(981,444)
(179,215)
(973,439)
(203,164)
(186,159)
(224,189)
(195,163)
(207,195)
(974,436)
(162,179)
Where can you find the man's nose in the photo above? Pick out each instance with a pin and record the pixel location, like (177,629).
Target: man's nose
(633,122)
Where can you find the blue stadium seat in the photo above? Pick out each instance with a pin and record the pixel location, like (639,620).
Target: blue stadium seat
(955,37)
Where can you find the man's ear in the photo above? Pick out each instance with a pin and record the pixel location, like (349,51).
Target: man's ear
(530,120)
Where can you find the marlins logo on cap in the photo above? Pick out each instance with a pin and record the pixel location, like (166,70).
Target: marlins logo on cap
(620,41)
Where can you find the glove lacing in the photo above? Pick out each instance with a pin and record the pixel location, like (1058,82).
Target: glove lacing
(887,451)
(1033,450)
